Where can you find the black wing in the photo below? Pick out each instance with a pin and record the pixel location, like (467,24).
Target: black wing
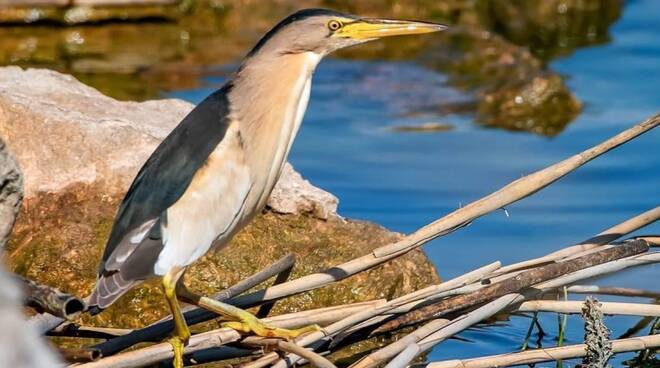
(168,172)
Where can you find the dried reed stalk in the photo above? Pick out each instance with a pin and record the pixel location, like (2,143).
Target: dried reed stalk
(545,355)
(575,307)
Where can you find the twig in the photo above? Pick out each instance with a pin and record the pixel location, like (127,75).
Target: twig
(455,326)
(545,355)
(613,266)
(637,328)
(382,355)
(405,357)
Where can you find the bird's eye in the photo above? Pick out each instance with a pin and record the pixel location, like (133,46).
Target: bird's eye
(334,25)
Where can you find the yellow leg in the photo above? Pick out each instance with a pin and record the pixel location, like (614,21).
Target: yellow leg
(246,322)
(181,333)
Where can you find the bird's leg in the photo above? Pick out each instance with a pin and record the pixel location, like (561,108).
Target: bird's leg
(245,321)
(181,332)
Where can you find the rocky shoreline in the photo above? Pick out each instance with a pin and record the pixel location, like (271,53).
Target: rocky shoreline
(79,150)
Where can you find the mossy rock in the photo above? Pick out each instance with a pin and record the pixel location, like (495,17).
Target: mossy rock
(58,240)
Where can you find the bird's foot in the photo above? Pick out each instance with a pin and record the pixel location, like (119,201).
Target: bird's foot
(250,324)
(178,344)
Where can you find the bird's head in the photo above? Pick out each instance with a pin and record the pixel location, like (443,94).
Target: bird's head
(323,31)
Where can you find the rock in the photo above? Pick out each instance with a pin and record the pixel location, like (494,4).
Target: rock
(293,194)
(11,192)
(65,133)
(87,11)
(541,105)
(20,345)
(59,240)
(512,88)
(81,149)
(553,28)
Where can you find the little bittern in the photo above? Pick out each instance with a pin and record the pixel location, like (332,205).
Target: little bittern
(217,168)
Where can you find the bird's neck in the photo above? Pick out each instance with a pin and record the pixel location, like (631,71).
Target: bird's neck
(269,100)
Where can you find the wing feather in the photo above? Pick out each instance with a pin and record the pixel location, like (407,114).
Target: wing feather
(165,176)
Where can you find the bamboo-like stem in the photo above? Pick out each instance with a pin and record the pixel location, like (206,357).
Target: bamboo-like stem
(606,236)
(48,299)
(159,352)
(264,361)
(545,355)
(382,355)
(405,357)
(350,321)
(618,291)
(314,359)
(79,355)
(69,329)
(510,300)
(575,307)
(521,281)
(216,338)
(193,315)
(511,193)
(515,298)
(457,325)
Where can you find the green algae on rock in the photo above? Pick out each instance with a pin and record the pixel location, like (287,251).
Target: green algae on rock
(59,239)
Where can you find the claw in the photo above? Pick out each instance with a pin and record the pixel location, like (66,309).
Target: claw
(177,346)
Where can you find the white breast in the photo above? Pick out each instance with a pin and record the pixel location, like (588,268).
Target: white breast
(211,207)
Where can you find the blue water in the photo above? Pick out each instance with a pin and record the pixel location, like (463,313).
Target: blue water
(405,180)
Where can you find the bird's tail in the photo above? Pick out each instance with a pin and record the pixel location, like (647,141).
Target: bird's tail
(108,289)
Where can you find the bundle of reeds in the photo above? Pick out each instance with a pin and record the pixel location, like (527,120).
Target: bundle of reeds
(437,312)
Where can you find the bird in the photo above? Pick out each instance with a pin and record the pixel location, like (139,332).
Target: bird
(216,169)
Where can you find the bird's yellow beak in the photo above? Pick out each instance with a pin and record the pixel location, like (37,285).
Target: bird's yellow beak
(369,28)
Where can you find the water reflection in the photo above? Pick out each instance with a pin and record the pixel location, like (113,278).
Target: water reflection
(497,51)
